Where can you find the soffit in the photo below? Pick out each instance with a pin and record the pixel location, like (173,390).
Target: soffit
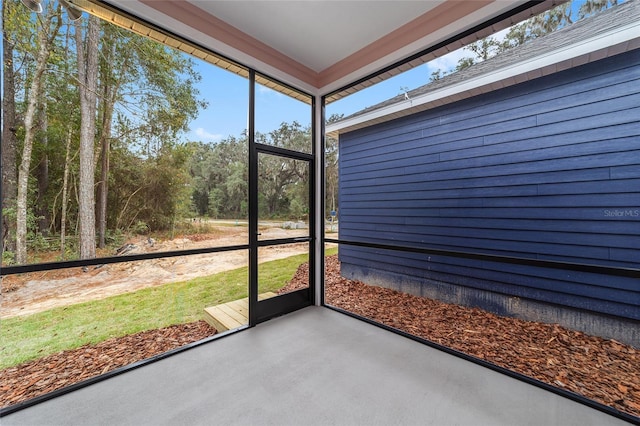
(316,34)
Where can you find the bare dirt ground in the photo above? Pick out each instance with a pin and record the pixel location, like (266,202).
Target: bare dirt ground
(39,291)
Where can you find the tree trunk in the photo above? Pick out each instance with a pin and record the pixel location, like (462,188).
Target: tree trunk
(103,193)
(42,209)
(108,102)
(88,77)
(110,88)
(45,44)
(65,194)
(9,143)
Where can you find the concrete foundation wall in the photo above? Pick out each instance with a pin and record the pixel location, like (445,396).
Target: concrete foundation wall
(593,323)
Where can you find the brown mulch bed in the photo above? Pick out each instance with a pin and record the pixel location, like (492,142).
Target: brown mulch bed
(31,379)
(603,370)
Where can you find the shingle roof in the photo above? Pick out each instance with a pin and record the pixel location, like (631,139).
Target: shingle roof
(615,17)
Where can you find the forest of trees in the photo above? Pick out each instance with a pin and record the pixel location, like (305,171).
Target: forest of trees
(92,116)
(219,175)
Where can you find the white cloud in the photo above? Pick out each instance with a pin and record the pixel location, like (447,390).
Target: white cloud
(501,35)
(449,61)
(205,136)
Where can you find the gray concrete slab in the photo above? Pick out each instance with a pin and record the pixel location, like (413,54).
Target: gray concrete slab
(312,367)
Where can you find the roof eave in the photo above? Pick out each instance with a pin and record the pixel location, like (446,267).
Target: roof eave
(600,46)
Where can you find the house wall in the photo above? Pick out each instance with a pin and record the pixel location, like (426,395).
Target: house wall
(547,169)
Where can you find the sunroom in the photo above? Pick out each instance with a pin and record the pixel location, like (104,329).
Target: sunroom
(173,239)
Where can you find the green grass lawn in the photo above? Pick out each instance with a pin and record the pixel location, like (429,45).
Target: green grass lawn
(34,336)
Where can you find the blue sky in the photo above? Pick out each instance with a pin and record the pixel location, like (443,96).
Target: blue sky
(226,115)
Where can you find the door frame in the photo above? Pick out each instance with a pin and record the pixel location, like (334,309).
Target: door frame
(260,311)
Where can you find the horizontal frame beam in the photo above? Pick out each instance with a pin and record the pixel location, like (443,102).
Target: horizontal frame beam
(570,266)
(36,267)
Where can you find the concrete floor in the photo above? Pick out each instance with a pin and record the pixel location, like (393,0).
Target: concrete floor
(312,367)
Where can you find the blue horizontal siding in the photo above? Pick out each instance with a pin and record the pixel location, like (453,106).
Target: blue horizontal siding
(414,263)
(508,216)
(530,150)
(515,222)
(410,139)
(548,169)
(555,239)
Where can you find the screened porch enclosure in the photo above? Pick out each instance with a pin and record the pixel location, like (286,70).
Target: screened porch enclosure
(352,266)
